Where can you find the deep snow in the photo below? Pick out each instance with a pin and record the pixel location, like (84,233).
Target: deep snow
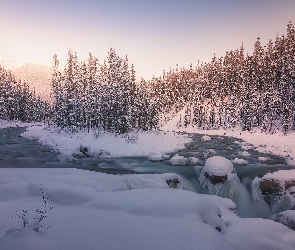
(100,211)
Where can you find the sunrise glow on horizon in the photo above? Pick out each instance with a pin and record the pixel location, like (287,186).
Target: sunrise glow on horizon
(155,35)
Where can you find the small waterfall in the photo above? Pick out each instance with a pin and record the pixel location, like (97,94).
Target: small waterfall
(248,208)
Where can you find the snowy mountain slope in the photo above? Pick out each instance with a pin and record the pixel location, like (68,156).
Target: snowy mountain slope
(38,77)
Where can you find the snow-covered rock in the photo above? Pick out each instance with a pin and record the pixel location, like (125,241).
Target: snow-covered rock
(218,166)
(286,218)
(238,161)
(211,151)
(192,161)
(247,147)
(178,160)
(277,190)
(263,159)
(219,176)
(206,138)
(244,153)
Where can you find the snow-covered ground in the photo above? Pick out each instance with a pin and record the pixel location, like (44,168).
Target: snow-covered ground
(107,144)
(100,211)
(278,143)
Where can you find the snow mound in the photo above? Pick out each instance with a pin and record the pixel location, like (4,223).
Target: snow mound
(206,138)
(247,147)
(244,153)
(218,166)
(178,160)
(261,158)
(239,161)
(219,176)
(281,175)
(193,161)
(211,151)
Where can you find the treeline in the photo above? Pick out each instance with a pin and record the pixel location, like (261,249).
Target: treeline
(248,92)
(245,91)
(102,96)
(18,102)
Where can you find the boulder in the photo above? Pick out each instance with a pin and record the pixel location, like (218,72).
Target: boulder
(172,183)
(84,150)
(278,190)
(214,179)
(286,218)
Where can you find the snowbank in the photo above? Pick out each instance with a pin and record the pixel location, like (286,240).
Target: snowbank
(105,144)
(7,124)
(99,211)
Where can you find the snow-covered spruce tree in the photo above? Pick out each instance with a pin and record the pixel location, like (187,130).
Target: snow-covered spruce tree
(101,96)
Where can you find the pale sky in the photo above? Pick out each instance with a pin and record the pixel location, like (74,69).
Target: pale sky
(155,34)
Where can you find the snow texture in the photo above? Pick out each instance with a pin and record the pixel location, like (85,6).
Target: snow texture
(218,166)
(178,160)
(103,144)
(281,175)
(99,211)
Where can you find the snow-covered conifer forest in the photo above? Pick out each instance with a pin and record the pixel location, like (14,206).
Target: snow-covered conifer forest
(253,91)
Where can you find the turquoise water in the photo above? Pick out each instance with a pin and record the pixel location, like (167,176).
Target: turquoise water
(19,152)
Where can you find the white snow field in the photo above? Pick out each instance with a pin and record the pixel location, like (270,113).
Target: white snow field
(107,144)
(99,211)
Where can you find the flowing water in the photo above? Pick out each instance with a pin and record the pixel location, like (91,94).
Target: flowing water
(19,152)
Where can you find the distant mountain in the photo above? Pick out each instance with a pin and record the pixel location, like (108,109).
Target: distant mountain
(38,77)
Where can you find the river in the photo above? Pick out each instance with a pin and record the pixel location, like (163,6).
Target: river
(19,152)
